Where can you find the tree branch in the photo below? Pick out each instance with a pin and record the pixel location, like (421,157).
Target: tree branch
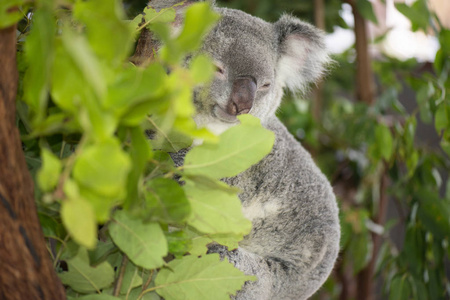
(26,271)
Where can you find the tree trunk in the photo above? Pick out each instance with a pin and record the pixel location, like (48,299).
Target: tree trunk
(364,75)
(26,270)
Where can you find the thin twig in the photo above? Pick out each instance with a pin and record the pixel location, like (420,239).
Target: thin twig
(119,279)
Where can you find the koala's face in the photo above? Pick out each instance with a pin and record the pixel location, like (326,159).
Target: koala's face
(254,60)
(245,55)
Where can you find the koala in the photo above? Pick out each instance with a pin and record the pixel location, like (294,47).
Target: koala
(294,240)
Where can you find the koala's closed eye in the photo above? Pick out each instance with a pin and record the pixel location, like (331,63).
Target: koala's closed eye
(220,71)
(265,86)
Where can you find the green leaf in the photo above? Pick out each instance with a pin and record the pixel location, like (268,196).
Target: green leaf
(79,86)
(135,85)
(239,147)
(365,8)
(85,60)
(165,15)
(131,278)
(86,279)
(150,16)
(172,142)
(166,201)
(200,241)
(8,13)
(82,230)
(445,145)
(419,290)
(192,33)
(400,288)
(417,13)
(202,69)
(215,211)
(103,250)
(385,141)
(434,212)
(104,18)
(103,168)
(140,153)
(39,53)
(98,297)
(423,100)
(50,226)
(179,243)
(48,174)
(442,117)
(144,243)
(199,278)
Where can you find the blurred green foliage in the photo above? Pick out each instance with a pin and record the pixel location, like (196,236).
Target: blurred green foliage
(370,152)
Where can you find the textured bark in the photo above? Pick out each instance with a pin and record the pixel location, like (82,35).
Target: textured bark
(319,20)
(364,75)
(26,270)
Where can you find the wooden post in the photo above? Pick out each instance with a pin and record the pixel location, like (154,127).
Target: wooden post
(26,271)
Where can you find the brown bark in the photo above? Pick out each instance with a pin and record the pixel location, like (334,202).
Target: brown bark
(364,77)
(319,20)
(26,270)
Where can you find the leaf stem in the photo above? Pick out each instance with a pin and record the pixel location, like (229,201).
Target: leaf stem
(63,245)
(119,279)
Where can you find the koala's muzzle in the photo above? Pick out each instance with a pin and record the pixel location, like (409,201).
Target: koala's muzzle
(242,96)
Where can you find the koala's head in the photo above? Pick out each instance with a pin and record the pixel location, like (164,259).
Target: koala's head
(254,61)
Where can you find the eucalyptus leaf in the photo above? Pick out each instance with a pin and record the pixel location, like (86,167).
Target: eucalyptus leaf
(98,297)
(400,288)
(48,174)
(199,278)
(131,278)
(103,18)
(239,147)
(8,15)
(166,201)
(144,243)
(442,117)
(103,168)
(86,279)
(82,229)
(417,13)
(365,8)
(140,153)
(39,53)
(215,211)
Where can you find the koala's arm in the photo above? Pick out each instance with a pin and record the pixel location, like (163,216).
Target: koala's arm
(295,237)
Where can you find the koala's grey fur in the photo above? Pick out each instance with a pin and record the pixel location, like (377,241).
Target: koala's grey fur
(295,237)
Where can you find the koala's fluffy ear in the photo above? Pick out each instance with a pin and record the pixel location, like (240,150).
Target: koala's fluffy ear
(302,53)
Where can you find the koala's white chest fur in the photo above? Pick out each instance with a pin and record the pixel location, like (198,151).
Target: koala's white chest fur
(259,210)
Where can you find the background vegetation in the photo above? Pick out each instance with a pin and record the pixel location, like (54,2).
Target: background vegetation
(82,113)
(392,183)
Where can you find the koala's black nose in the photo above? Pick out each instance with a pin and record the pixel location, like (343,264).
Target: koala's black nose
(242,96)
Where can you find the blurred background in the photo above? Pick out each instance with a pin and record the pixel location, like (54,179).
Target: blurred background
(379,127)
